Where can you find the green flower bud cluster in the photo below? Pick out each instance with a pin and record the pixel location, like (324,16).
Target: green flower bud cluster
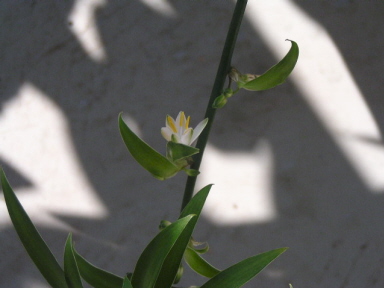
(221,100)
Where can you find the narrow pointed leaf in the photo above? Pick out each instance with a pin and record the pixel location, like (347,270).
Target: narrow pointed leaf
(95,276)
(194,207)
(277,74)
(170,270)
(240,273)
(177,151)
(179,274)
(71,271)
(151,160)
(31,239)
(159,262)
(196,204)
(127,283)
(198,264)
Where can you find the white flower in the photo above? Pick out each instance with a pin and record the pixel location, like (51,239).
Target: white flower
(178,130)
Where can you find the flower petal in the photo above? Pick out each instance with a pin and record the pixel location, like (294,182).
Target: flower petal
(182,120)
(199,128)
(179,118)
(170,122)
(187,123)
(186,137)
(167,133)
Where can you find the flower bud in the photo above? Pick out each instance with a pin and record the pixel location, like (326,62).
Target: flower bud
(192,172)
(234,74)
(248,77)
(220,101)
(164,223)
(228,93)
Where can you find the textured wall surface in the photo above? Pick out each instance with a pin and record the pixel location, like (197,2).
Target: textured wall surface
(300,166)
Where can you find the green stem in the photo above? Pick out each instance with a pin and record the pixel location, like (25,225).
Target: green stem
(222,72)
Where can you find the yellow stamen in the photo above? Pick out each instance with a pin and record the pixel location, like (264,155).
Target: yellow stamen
(182,119)
(187,124)
(171,123)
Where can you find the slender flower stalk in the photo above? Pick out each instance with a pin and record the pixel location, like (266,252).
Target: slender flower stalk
(222,72)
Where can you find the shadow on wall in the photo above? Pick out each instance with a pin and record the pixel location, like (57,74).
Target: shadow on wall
(151,64)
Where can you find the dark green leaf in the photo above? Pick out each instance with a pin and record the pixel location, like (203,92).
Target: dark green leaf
(70,266)
(179,274)
(31,239)
(155,163)
(277,74)
(196,204)
(198,264)
(160,260)
(95,276)
(171,267)
(240,273)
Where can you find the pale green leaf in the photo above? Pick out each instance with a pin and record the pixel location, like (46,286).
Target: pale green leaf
(177,151)
(198,264)
(277,74)
(151,160)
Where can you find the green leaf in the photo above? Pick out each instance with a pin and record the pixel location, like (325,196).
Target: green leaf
(127,283)
(196,204)
(31,239)
(240,273)
(70,266)
(198,264)
(151,160)
(160,260)
(170,270)
(95,276)
(200,250)
(179,274)
(177,151)
(277,74)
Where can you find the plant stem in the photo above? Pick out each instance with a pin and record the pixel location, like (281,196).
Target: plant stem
(222,72)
